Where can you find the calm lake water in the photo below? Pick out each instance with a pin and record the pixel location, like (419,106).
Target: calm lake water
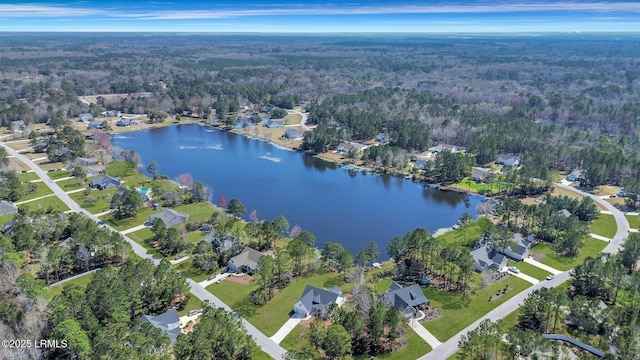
(335,204)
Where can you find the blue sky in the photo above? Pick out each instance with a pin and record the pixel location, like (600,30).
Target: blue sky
(287,16)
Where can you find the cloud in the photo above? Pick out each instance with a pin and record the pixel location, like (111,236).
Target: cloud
(37,10)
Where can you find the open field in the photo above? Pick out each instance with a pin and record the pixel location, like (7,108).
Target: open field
(605,190)
(48,203)
(271,316)
(634,221)
(197,211)
(70,184)
(458,312)
(17,165)
(124,224)
(605,225)
(557,191)
(463,235)
(55,175)
(27,176)
(591,248)
(81,281)
(21,145)
(41,189)
(101,200)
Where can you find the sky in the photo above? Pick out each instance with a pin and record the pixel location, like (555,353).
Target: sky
(314,16)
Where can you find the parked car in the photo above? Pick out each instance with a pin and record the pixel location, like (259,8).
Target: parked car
(514,269)
(550,277)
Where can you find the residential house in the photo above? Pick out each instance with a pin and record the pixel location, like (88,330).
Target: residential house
(382,138)
(345,147)
(221,244)
(315,301)
(169,217)
(508,160)
(407,300)
(95,124)
(82,162)
(292,134)
(518,247)
(421,164)
(575,175)
(7,208)
(485,257)
(564,213)
(244,121)
(95,170)
(272,124)
(126,122)
(478,174)
(446,147)
(169,322)
(110,113)
(246,261)
(105,182)
(86,117)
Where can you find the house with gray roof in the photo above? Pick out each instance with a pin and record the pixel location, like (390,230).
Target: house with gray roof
(293,134)
(272,124)
(345,147)
(564,213)
(86,117)
(83,161)
(246,261)
(105,182)
(446,147)
(407,300)
(169,217)
(518,247)
(226,243)
(95,124)
(478,174)
(485,257)
(126,122)
(169,322)
(508,160)
(7,208)
(314,301)
(575,175)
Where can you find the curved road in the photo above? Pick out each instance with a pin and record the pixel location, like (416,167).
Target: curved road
(266,344)
(450,347)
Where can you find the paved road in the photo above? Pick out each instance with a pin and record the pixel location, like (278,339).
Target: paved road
(450,347)
(303,121)
(267,345)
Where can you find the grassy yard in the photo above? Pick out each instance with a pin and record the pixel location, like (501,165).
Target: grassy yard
(24,177)
(463,235)
(70,184)
(605,225)
(187,269)
(102,199)
(141,236)
(470,185)
(124,224)
(121,169)
(41,190)
(193,304)
(5,218)
(459,312)
(195,236)
(197,211)
(258,354)
(55,175)
(591,248)
(82,281)
(634,221)
(271,316)
(530,270)
(44,204)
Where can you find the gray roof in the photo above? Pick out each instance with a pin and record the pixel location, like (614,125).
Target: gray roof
(564,212)
(405,299)
(220,245)
(125,122)
(486,257)
(83,161)
(293,134)
(314,298)
(7,208)
(446,147)
(86,117)
(168,322)
(248,257)
(105,182)
(479,173)
(508,160)
(169,217)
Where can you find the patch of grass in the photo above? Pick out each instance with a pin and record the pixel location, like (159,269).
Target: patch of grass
(271,316)
(510,321)
(124,224)
(70,184)
(195,236)
(41,189)
(81,281)
(458,312)
(187,269)
(141,236)
(5,218)
(463,235)
(120,168)
(591,248)
(136,181)
(51,166)
(605,225)
(528,269)
(102,200)
(197,211)
(28,176)
(467,184)
(634,221)
(557,191)
(51,202)
(192,304)
(258,354)
(55,175)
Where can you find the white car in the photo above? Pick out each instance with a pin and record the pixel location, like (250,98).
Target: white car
(514,269)
(550,277)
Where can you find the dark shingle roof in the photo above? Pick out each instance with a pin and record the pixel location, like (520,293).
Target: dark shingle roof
(316,298)
(169,217)
(248,257)
(168,322)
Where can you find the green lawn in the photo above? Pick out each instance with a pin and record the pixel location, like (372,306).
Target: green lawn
(465,234)
(605,225)
(258,354)
(41,190)
(530,270)
(70,184)
(102,199)
(124,224)
(197,211)
(5,218)
(271,316)
(195,236)
(119,168)
(634,221)
(459,312)
(136,181)
(52,202)
(24,177)
(187,269)
(82,281)
(591,248)
(141,236)
(510,321)
(55,175)
(193,304)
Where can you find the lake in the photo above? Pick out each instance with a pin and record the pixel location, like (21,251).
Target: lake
(338,205)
